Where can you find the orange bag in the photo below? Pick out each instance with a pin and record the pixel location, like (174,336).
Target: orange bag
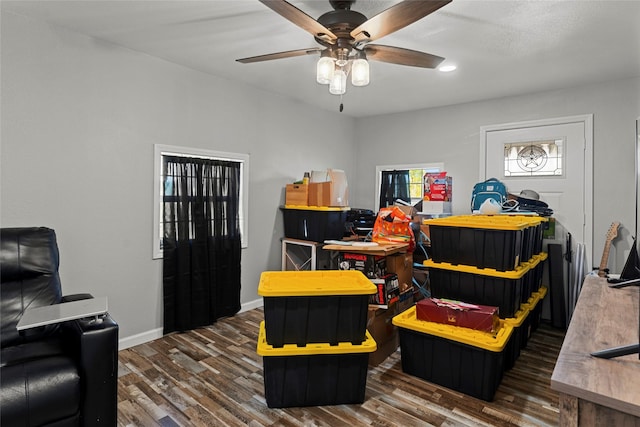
(393,226)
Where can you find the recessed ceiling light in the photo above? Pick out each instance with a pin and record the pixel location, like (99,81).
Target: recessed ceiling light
(447,68)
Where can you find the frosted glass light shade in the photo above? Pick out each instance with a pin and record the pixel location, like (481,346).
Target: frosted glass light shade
(338,85)
(324,70)
(360,72)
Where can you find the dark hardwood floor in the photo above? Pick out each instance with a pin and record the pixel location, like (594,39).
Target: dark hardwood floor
(213,377)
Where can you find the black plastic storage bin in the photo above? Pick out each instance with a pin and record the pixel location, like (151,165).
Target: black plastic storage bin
(483,241)
(314,223)
(322,306)
(521,331)
(462,359)
(502,289)
(314,375)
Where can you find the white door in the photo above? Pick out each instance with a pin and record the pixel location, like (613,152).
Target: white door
(567,185)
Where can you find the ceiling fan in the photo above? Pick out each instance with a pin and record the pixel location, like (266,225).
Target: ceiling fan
(345,35)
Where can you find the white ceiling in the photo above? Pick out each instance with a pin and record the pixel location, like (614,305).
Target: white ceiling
(501,48)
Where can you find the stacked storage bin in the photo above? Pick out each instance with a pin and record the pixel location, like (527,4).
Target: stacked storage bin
(491,260)
(462,359)
(314,341)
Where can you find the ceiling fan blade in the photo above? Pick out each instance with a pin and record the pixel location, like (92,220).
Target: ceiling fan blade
(398,55)
(301,19)
(280,55)
(396,17)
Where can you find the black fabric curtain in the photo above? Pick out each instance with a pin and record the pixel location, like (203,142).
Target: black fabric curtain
(394,185)
(201,242)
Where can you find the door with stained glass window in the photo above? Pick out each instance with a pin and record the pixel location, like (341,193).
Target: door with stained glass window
(548,157)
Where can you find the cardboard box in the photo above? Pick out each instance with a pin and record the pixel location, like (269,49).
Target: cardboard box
(436,207)
(473,316)
(320,193)
(330,188)
(405,301)
(388,291)
(437,186)
(297,195)
(402,266)
(372,266)
(385,334)
(384,350)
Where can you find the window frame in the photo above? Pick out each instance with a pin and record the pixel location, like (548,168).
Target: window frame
(434,166)
(160,150)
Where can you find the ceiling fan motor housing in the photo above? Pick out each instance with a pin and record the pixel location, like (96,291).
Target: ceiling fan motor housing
(342,21)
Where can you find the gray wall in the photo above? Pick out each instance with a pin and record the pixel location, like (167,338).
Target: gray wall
(80,117)
(79,121)
(452,135)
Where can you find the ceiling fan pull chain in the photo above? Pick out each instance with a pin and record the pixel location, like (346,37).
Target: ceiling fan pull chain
(341,104)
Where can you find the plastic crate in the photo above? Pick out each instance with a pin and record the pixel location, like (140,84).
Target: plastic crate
(465,360)
(532,237)
(314,375)
(314,223)
(502,289)
(322,306)
(535,307)
(521,323)
(533,278)
(479,240)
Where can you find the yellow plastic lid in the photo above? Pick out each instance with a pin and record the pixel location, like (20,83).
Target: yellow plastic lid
(484,340)
(318,208)
(519,317)
(314,283)
(264,349)
(542,292)
(532,301)
(520,270)
(532,262)
(493,222)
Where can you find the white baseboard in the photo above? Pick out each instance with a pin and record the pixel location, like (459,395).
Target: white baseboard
(251,305)
(140,338)
(153,334)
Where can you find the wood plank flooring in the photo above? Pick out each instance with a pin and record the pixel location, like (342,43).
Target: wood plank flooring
(213,377)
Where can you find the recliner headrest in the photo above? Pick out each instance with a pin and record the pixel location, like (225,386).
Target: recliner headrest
(27,252)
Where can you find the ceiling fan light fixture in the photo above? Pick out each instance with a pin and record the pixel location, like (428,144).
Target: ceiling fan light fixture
(360,72)
(338,85)
(324,70)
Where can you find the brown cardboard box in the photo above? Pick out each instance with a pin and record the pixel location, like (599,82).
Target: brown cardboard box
(297,195)
(384,333)
(402,266)
(329,188)
(320,193)
(384,350)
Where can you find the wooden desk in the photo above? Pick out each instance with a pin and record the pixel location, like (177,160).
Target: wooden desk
(594,391)
(383,249)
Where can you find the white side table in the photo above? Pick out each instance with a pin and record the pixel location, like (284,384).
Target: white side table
(299,255)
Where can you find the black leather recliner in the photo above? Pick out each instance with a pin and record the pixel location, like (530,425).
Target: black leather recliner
(57,375)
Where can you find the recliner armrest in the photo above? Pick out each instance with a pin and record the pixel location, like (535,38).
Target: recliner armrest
(76,297)
(94,343)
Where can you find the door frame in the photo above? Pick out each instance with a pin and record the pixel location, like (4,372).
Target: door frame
(587,185)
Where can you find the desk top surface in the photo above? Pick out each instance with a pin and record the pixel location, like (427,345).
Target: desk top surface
(603,318)
(380,249)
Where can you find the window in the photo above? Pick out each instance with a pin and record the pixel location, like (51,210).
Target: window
(164,183)
(534,158)
(416,174)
